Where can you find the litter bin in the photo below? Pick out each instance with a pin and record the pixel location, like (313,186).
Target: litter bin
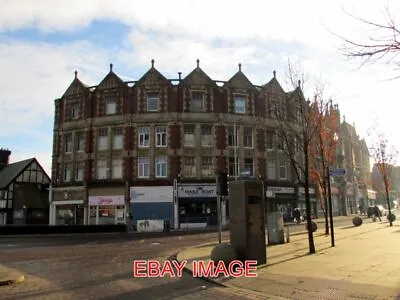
(275,228)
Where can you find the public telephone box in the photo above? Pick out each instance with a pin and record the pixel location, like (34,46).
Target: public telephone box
(247,219)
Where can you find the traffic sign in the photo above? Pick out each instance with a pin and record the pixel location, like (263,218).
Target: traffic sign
(337,172)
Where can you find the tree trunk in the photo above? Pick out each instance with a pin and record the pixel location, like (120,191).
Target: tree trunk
(388,200)
(308,202)
(325,205)
(326,215)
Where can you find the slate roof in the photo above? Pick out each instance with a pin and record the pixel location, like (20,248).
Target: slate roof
(11,171)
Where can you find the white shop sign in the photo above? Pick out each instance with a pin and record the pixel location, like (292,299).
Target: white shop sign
(280,190)
(106,200)
(303,190)
(145,194)
(197,191)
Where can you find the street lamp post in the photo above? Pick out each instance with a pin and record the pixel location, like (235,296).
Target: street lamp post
(235,150)
(328,178)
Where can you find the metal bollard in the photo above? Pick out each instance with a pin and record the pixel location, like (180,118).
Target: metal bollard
(287,235)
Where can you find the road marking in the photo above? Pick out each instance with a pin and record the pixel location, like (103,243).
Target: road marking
(155,243)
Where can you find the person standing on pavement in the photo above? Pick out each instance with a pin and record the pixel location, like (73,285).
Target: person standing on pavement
(377,212)
(296,215)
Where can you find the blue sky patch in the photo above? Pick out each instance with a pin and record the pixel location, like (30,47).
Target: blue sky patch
(100,32)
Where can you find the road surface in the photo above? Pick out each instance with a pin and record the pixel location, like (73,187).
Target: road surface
(100,267)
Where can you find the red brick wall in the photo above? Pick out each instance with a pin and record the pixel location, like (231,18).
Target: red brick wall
(260,133)
(220,137)
(175,136)
(220,164)
(128,169)
(174,166)
(261,167)
(88,169)
(173,105)
(128,138)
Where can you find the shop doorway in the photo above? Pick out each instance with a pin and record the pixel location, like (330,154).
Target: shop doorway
(69,215)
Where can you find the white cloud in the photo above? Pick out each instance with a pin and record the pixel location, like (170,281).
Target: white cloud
(36,74)
(260,34)
(288,20)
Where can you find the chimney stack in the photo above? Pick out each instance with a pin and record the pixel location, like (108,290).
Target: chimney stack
(4,157)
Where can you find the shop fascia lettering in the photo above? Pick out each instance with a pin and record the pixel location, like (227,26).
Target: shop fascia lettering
(280,190)
(197,191)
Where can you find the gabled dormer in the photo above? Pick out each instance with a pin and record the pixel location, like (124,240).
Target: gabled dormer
(273,86)
(111,81)
(241,94)
(152,91)
(75,88)
(239,81)
(73,100)
(198,77)
(152,78)
(109,95)
(197,91)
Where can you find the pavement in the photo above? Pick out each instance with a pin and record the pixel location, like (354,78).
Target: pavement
(364,264)
(9,276)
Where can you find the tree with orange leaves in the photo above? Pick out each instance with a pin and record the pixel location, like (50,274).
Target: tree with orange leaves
(322,150)
(385,156)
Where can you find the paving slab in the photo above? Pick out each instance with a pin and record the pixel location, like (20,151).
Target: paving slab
(364,264)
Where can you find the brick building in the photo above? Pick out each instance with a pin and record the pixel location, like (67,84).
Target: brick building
(150,148)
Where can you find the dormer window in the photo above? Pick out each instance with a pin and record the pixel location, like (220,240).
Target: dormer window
(111,106)
(197,101)
(74,112)
(153,102)
(240,104)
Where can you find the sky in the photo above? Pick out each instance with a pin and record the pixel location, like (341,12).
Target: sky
(43,42)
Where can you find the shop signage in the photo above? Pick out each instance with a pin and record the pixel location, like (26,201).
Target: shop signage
(303,190)
(280,190)
(197,191)
(146,194)
(371,194)
(335,190)
(106,200)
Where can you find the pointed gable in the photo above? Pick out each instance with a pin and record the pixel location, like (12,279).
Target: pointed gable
(153,77)
(239,80)
(111,81)
(198,77)
(273,86)
(76,87)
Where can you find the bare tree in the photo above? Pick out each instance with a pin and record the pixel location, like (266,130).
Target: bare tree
(323,147)
(382,45)
(384,156)
(295,132)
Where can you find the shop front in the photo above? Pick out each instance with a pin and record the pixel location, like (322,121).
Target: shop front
(152,206)
(197,205)
(351,200)
(67,207)
(313,201)
(107,210)
(335,196)
(371,197)
(281,199)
